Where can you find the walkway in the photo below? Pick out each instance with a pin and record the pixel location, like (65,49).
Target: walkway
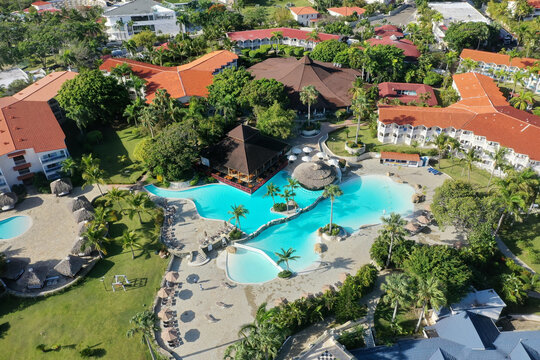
(509,254)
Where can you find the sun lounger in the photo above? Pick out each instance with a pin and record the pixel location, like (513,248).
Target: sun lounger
(226,285)
(222,305)
(210,318)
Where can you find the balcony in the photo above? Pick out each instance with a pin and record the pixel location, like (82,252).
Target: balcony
(53,169)
(52,158)
(23,165)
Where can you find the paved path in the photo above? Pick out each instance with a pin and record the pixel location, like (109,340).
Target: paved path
(508,253)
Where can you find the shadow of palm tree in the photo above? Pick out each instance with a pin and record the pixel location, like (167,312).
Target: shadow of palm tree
(4,327)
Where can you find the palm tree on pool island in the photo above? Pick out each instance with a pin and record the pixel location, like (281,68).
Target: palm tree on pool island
(272,191)
(332,191)
(287,195)
(393,230)
(292,184)
(237,212)
(285,256)
(144,323)
(428,292)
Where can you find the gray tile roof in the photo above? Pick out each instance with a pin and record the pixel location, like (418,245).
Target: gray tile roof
(137,7)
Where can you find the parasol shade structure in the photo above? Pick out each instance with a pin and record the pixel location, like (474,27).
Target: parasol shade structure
(306,158)
(164,293)
(296,150)
(326,288)
(314,175)
(165,314)
(423,220)
(343,276)
(320,155)
(307,149)
(168,335)
(333,162)
(280,301)
(172,276)
(61,187)
(8,200)
(292,157)
(411,227)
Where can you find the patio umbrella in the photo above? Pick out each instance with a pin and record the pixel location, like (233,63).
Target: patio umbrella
(292,157)
(165,315)
(168,335)
(306,158)
(411,227)
(307,149)
(333,162)
(164,293)
(427,207)
(296,150)
(69,266)
(343,276)
(280,301)
(320,155)
(80,202)
(83,215)
(172,276)
(61,187)
(307,295)
(8,200)
(318,248)
(423,220)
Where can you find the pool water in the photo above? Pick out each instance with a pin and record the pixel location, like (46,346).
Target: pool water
(14,226)
(365,199)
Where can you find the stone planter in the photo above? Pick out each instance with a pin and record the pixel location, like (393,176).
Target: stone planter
(310,133)
(338,237)
(355,151)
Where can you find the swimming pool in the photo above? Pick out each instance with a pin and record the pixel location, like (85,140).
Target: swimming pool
(364,201)
(14,226)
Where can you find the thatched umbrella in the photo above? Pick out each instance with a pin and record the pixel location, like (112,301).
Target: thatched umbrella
(80,202)
(69,266)
(231,249)
(83,215)
(423,220)
(34,278)
(326,288)
(81,228)
(411,227)
(307,295)
(280,301)
(164,293)
(168,335)
(172,276)
(427,207)
(314,175)
(343,276)
(8,200)
(61,187)
(14,269)
(165,314)
(77,248)
(318,248)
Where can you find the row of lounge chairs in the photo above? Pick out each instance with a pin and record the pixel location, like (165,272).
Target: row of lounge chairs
(434,171)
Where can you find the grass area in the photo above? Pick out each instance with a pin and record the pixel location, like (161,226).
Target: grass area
(458,171)
(271,4)
(531,306)
(336,143)
(385,332)
(89,313)
(506,89)
(523,239)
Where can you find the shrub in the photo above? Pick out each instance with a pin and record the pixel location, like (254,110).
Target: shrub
(235,234)
(313,125)
(353,338)
(41,347)
(433,79)
(353,144)
(94,137)
(342,163)
(19,189)
(298,51)
(210,180)
(41,183)
(264,49)
(245,52)
(194,181)
(335,229)
(285,274)
(279,207)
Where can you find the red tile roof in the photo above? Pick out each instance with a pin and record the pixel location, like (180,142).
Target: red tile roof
(303,10)
(482,110)
(41,3)
(399,156)
(45,88)
(534,3)
(495,58)
(409,49)
(389,89)
(267,33)
(348,11)
(388,30)
(191,79)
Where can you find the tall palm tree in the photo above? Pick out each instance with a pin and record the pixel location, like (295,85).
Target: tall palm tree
(512,202)
(93,175)
(287,195)
(88,161)
(68,166)
(468,65)
(103,215)
(94,236)
(469,159)
(308,95)
(498,160)
(441,142)
(397,290)
(138,84)
(526,181)
(129,239)
(499,74)
(517,78)
(147,119)
(272,190)
(313,36)
(138,204)
(121,72)
(428,292)
(130,46)
(292,184)
(67,57)
(144,323)
(332,191)
(360,105)
(119,25)
(237,212)
(522,100)
(393,229)
(455,146)
(285,256)
(513,288)
(133,111)
(116,195)
(450,58)
(277,35)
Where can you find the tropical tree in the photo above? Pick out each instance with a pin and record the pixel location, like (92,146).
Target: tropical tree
(511,202)
(94,236)
(450,58)
(513,288)
(499,160)
(469,159)
(332,191)
(147,119)
(522,100)
(116,195)
(308,95)
(468,65)
(360,105)
(93,175)
(144,323)
(237,212)
(285,256)
(129,240)
(517,78)
(287,195)
(313,36)
(133,111)
(103,214)
(88,161)
(441,142)
(393,229)
(428,292)
(272,191)
(277,36)
(138,204)
(397,290)
(68,166)
(292,184)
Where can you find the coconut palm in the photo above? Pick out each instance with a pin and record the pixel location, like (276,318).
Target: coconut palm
(292,184)
(360,105)
(397,290)
(67,57)
(272,191)
(285,256)
(145,324)
(526,181)
(130,46)
(277,35)
(88,161)
(522,100)
(119,25)
(138,204)
(511,202)
(313,36)
(237,212)
(441,142)
(450,58)
(129,240)
(93,175)
(68,166)
(454,145)
(147,119)
(138,85)
(308,95)
(393,230)
(428,292)
(287,195)
(332,191)
(94,236)
(121,72)
(517,78)
(133,111)
(469,159)
(499,74)
(498,160)
(116,195)
(103,215)
(513,288)
(468,65)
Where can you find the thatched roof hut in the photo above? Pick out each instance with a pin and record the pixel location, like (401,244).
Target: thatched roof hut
(318,248)
(61,187)
(411,227)
(314,175)
(81,228)
(80,202)
(34,278)
(423,220)
(77,248)
(8,200)
(69,266)
(83,215)
(14,269)
(281,301)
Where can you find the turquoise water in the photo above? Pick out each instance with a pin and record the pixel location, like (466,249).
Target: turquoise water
(364,201)
(14,226)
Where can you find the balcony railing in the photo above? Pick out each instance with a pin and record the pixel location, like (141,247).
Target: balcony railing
(49,159)
(54,168)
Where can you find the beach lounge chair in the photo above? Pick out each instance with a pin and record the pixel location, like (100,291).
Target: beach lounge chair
(222,305)
(210,318)
(226,285)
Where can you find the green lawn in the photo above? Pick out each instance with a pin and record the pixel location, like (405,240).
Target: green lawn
(385,333)
(523,239)
(271,4)
(458,171)
(89,313)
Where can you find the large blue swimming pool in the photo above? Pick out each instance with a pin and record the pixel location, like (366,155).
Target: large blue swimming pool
(14,226)
(365,200)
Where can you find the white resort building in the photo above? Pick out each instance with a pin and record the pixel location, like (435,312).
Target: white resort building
(482,120)
(31,139)
(253,39)
(304,15)
(131,18)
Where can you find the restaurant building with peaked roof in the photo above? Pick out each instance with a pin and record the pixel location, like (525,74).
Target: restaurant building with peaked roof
(482,120)
(253,39)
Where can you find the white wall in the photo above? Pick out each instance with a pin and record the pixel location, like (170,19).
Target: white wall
(161,26)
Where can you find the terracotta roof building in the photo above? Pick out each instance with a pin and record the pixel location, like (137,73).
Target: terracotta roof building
(253,39)
(346,11)
(488,61)
(407,93)
(482,119)
(388,30)
(305,15)
(410,50)
(400,159)
(333,83)
(181,82)
(31,139)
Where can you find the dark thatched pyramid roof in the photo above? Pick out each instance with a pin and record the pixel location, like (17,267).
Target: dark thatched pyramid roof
(8,199)
(69,266)
(80,202)
(61,186)
(35,277)
(14,269)
(83,215)
(77,248)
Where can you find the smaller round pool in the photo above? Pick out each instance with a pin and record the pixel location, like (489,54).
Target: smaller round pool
(14,226)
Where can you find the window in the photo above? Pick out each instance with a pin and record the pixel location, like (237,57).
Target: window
(18,160)
(24,171)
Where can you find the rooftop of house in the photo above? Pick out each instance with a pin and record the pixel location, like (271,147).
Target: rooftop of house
(458,11)
(534,3)
(347,11)
(191,79)
(477,300)
(399,156)
(408,92)
(303,10)
(496,58)
(136,7)
(482,109)
(45,88)
(388,30)
(267,33)
(409,49)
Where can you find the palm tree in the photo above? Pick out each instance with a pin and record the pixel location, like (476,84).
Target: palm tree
(450,58)
(237,212)
(512,288)
(129,239)
(332,191)
(144,323)
(277,35)
(115,194)
(517,78)
(499,74)
(313,36)
(468,65)
(292,184)
(308,95)
(68,59)
(68,166)
(523,100)
(397,291)
(138,84)
(393,229)
(94,236)
(285,256)
(138,204)
(102,215)
(428,292)
(88,161)
(287,195)
(147,119)
(455,146)
(121,72)
(130,46)
(360,105)
(93,175)
(512,202)
(498,160)
(441,142)
(119,25)
(470,158)
(272,190)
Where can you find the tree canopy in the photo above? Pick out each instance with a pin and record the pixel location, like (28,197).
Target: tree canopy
(263,92)
(276,121)
(470,35)
(327,50)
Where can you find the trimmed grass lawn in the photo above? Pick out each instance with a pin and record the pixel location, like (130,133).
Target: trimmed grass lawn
(89,313)
(405,323)
(523,239)
(458,171)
